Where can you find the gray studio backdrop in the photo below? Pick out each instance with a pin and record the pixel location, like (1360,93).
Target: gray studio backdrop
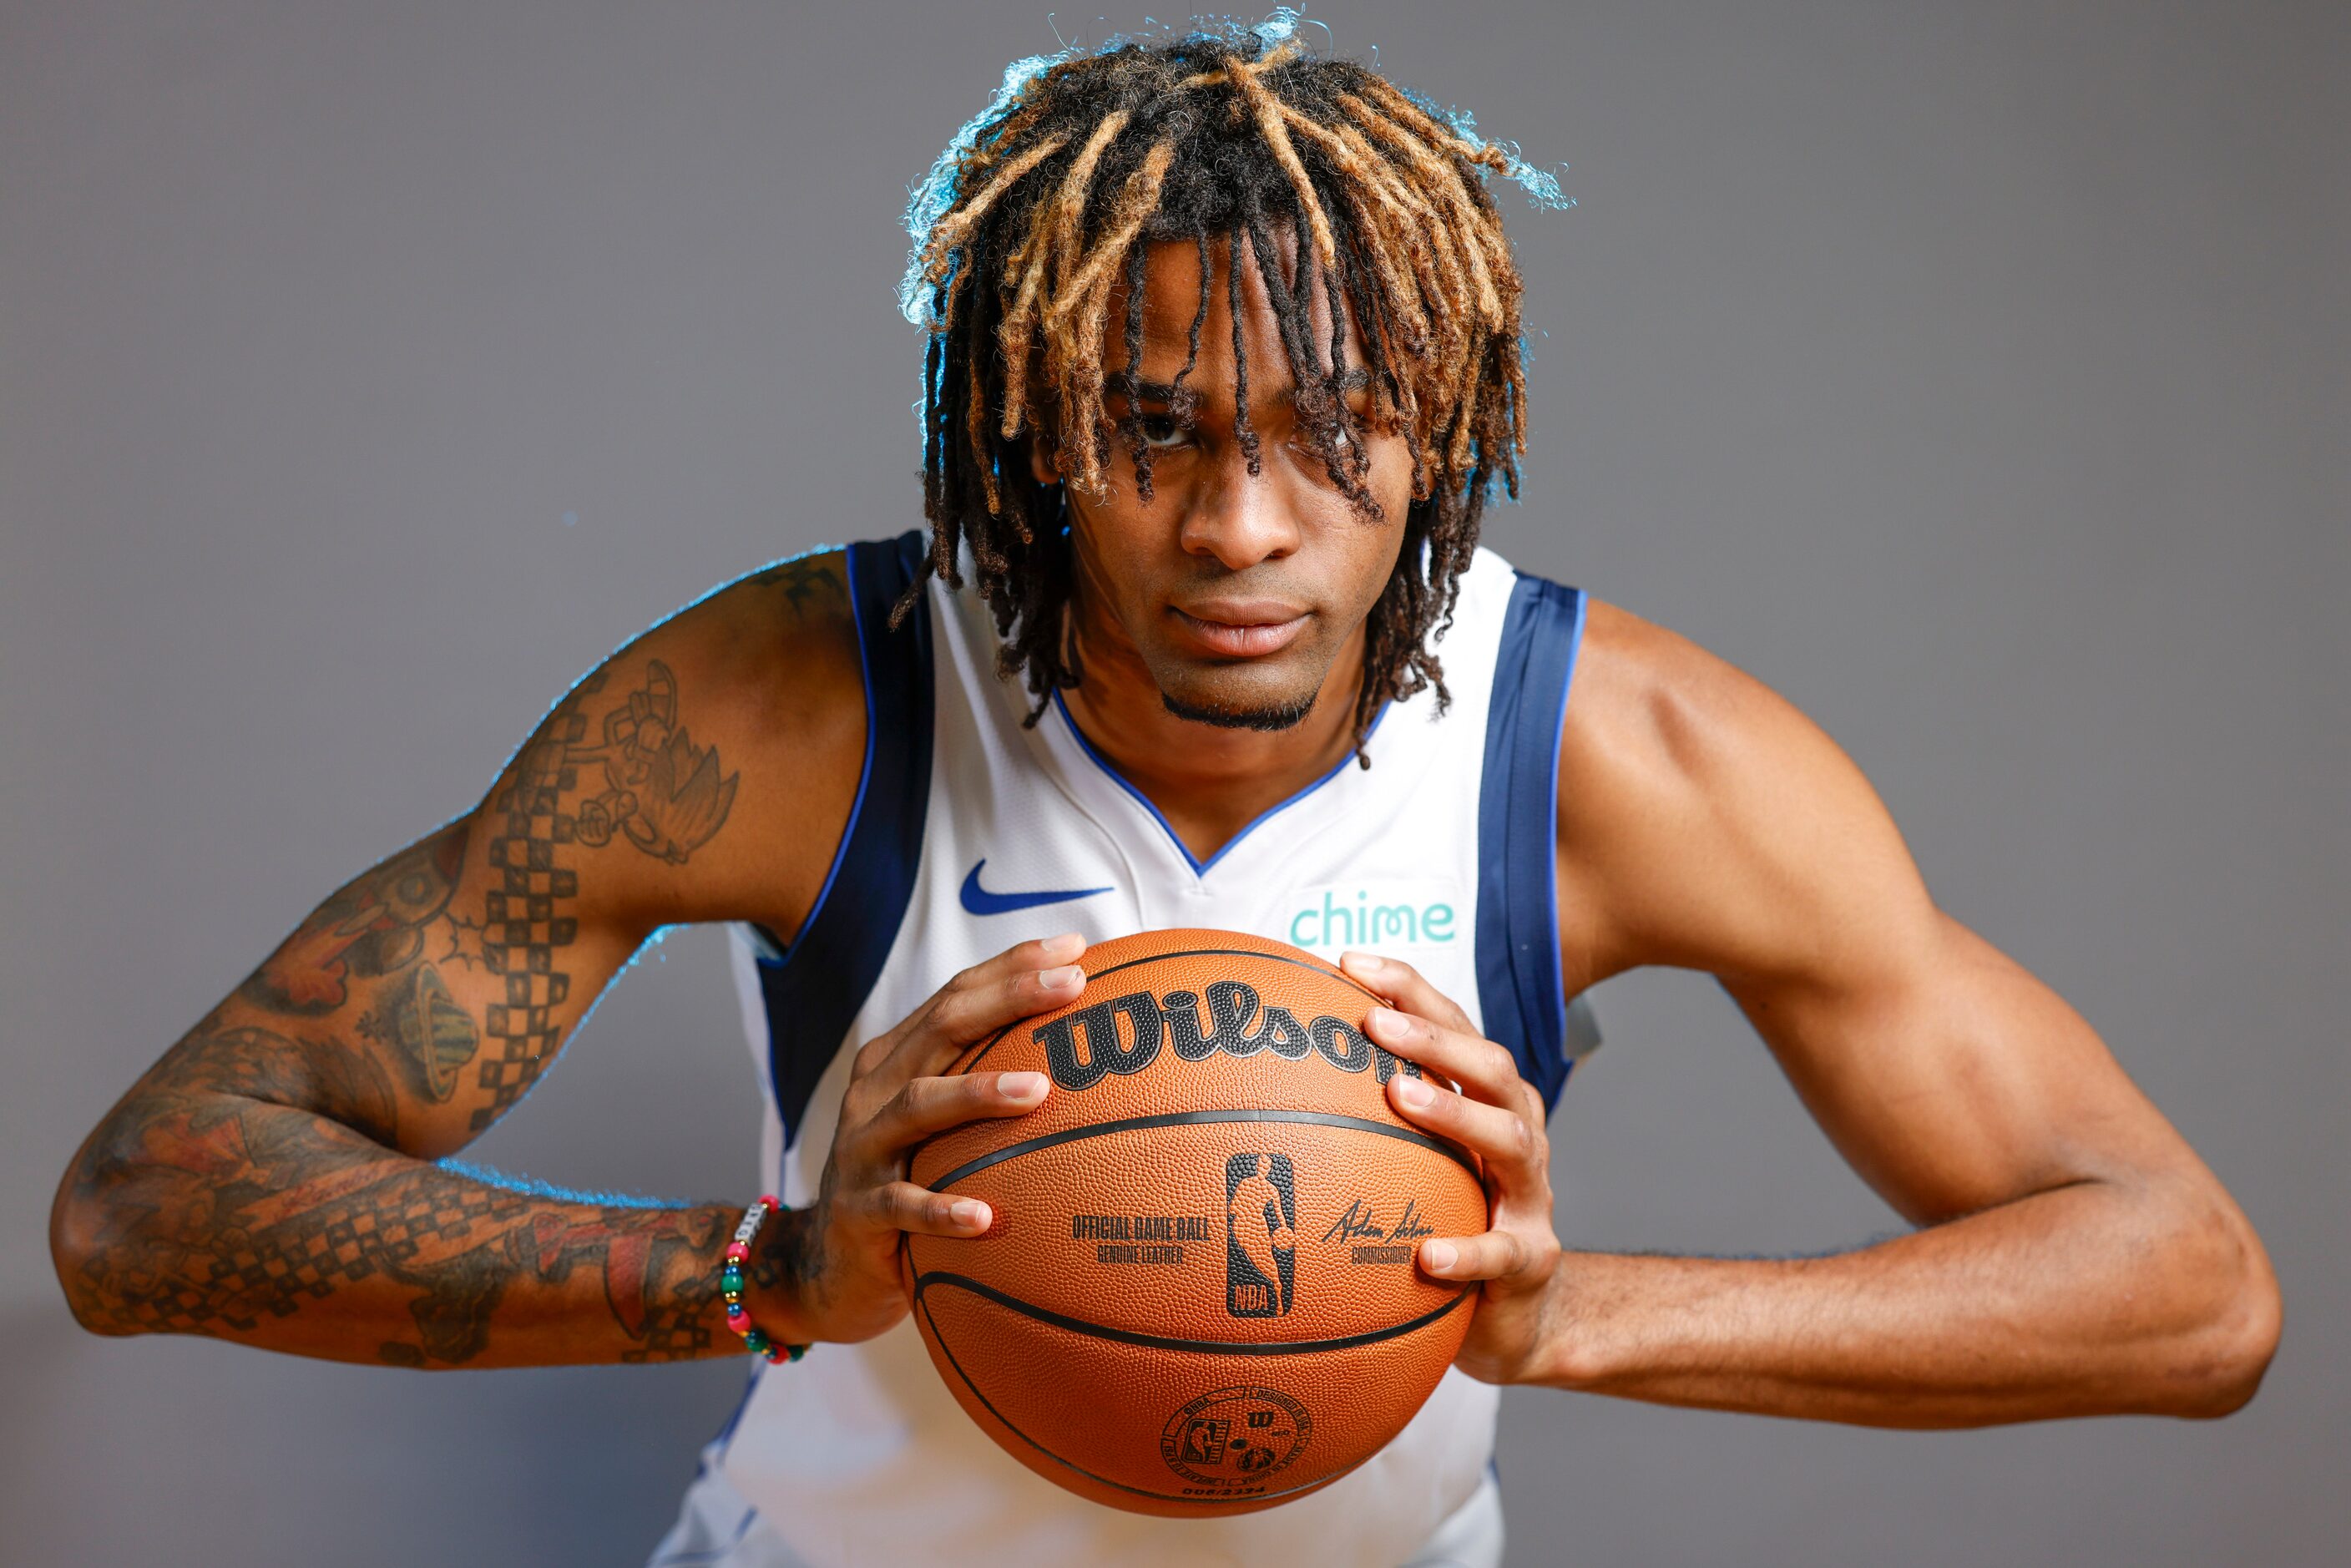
(1973,373)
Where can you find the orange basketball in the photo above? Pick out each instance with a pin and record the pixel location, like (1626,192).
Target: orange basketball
(1198,1296)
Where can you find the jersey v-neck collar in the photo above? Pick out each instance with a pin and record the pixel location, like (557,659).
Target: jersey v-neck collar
(1200,868)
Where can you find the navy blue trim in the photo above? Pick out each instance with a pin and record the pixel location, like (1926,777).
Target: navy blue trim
(1521,991)
(1199,867)
(815,987)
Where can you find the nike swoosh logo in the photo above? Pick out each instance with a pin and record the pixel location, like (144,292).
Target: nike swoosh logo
(978,900)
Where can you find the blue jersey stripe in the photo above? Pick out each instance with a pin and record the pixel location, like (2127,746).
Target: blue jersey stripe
(1521,991)
(815,987)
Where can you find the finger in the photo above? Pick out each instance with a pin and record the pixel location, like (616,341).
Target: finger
(1484,1069)
(1020,982)
(1495,1255)
(1403,984)
(902,1205)
(1023,958)
(1512,1151)
(930,1105)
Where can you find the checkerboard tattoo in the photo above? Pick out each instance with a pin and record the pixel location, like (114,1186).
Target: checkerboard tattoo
(661,792)
(521,928)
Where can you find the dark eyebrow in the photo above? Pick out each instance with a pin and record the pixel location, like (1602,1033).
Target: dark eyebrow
(1145,391)
(1355,378)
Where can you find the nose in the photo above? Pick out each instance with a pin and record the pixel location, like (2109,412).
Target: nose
(1240,519)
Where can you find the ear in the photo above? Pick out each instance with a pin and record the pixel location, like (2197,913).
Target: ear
(1042,465)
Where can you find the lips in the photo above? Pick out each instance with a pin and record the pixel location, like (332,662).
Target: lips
(1241,628)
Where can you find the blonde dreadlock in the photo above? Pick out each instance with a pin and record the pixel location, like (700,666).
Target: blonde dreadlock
(1028,225)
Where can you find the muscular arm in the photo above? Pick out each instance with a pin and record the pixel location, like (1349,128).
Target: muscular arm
(273,1178)
(2072,1255)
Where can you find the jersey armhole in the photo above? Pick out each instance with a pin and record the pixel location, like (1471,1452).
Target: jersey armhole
(1522,992)
(814,985)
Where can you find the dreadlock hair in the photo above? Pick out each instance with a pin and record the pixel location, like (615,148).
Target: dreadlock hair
(1051,199)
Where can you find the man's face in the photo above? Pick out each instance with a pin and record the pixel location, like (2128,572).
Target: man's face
(1237,594)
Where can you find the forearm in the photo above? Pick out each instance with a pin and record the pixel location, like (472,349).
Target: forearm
(269,1225)
(2089,1299)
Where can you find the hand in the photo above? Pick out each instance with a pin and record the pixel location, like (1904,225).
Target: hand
(832,1271)
(1499,1116)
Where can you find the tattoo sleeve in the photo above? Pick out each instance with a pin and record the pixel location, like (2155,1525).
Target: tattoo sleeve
(265,1180)
(242,1217)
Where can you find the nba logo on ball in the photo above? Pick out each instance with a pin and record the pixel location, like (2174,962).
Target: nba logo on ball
(1260,1235)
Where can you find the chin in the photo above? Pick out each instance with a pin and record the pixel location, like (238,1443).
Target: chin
(1242,704)
(1264,718)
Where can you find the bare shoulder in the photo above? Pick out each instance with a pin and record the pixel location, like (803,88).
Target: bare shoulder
(1705,820)
(1648,699)
(744,709)
(774,656)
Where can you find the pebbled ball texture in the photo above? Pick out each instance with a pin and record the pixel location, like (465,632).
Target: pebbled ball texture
(1198,1296)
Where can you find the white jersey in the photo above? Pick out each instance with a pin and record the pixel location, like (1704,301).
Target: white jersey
(972,832)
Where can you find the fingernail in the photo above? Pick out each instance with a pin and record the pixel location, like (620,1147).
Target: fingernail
(1022,1085)
(1068,945)
(1414,1092)
(1386,1023)
(1054,979)
(1369,963)
(1436,1255)
(970,1213)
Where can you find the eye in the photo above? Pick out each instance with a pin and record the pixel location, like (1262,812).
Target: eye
(1161,432)
(1340,438)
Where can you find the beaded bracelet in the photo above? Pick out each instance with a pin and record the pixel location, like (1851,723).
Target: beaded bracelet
(730,1286)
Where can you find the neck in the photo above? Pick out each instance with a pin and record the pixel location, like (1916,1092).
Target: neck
(1208,783)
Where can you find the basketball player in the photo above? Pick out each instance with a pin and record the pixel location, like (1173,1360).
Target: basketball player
(1223,363)
(1254,1220)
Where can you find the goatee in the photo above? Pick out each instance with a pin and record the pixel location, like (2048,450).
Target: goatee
(1285,715)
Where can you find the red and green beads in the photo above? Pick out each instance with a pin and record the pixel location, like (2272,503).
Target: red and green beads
(730,1286)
